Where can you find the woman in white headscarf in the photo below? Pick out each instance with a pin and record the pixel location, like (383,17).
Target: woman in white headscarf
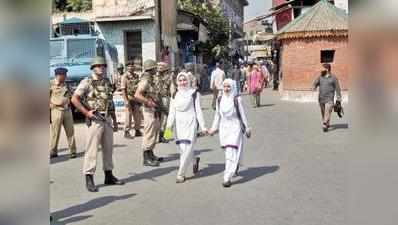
(230,120)
(185,111)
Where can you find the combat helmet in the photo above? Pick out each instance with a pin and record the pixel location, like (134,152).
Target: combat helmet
(149,64)
(120,66)
(98,61)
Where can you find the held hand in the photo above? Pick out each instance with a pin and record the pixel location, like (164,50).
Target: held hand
(211,132)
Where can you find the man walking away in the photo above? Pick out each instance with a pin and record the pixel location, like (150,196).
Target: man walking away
(216,83)
(328,86)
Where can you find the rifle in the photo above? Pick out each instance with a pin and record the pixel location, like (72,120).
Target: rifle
(97,116)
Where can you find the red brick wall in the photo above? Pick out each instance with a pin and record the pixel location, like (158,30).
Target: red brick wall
(301,61)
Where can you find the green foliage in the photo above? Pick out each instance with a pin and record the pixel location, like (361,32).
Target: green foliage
(217,24)
(72,5)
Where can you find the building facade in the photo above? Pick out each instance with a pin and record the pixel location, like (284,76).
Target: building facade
(319,36)
(258,40)
(234,11)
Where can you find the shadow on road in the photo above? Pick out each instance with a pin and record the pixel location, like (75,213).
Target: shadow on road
(265,105)
(63,158)
(176,156)
(149,175)
(338,126)
(83,208)
(252,173)
(210,170)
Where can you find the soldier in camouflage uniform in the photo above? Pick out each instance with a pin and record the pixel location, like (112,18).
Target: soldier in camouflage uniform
(61,113)
(96,93)
(117,77)
(149,95)
(129,85)
(167,89)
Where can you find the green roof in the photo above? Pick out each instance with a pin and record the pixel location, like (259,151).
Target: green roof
(322,17)
(74,20)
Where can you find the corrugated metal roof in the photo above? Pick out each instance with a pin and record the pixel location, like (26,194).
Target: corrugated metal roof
(322,19)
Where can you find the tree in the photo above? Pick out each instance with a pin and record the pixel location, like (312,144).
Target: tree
(217,24)
(72,5)
(79,5)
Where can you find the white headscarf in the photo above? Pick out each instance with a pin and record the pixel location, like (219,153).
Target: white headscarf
(183,97)
(227,100)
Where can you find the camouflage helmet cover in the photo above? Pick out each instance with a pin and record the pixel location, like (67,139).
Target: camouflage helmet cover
(149,64)
(98,61)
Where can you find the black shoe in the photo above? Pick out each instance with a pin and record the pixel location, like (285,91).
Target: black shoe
(53,155)
(73,155)
(154,157)
(111,180)
(90,183)
(196,165)
(227,184)
(138,133)
(325,129)
(127,135)
(148,161)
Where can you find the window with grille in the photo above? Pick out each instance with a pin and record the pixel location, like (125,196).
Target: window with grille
(327,56)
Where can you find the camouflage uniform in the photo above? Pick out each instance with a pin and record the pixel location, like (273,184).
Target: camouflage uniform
(61,115)
(166,87)
(130,83)
(151,115)
(97,95)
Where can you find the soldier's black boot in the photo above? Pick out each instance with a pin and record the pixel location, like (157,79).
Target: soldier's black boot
(90,183)
(111,180)
(138,133)
(148,161)
(154,157)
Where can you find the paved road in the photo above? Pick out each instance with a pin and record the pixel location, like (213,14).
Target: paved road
(293,174)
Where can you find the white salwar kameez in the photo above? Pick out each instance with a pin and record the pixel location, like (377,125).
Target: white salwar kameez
(231,136)
(186,115)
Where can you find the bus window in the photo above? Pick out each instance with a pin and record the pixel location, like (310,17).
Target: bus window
(56,49)
(81,48)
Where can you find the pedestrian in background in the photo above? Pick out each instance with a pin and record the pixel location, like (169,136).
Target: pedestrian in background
(230,119)
(328,87)
(236,75)
(256,85)
(217,77)
(129,85)
(96,92)
(186,113)
(117,77)
(61,113)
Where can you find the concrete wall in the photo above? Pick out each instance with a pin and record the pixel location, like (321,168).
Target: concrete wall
(300,63)
(113,32)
